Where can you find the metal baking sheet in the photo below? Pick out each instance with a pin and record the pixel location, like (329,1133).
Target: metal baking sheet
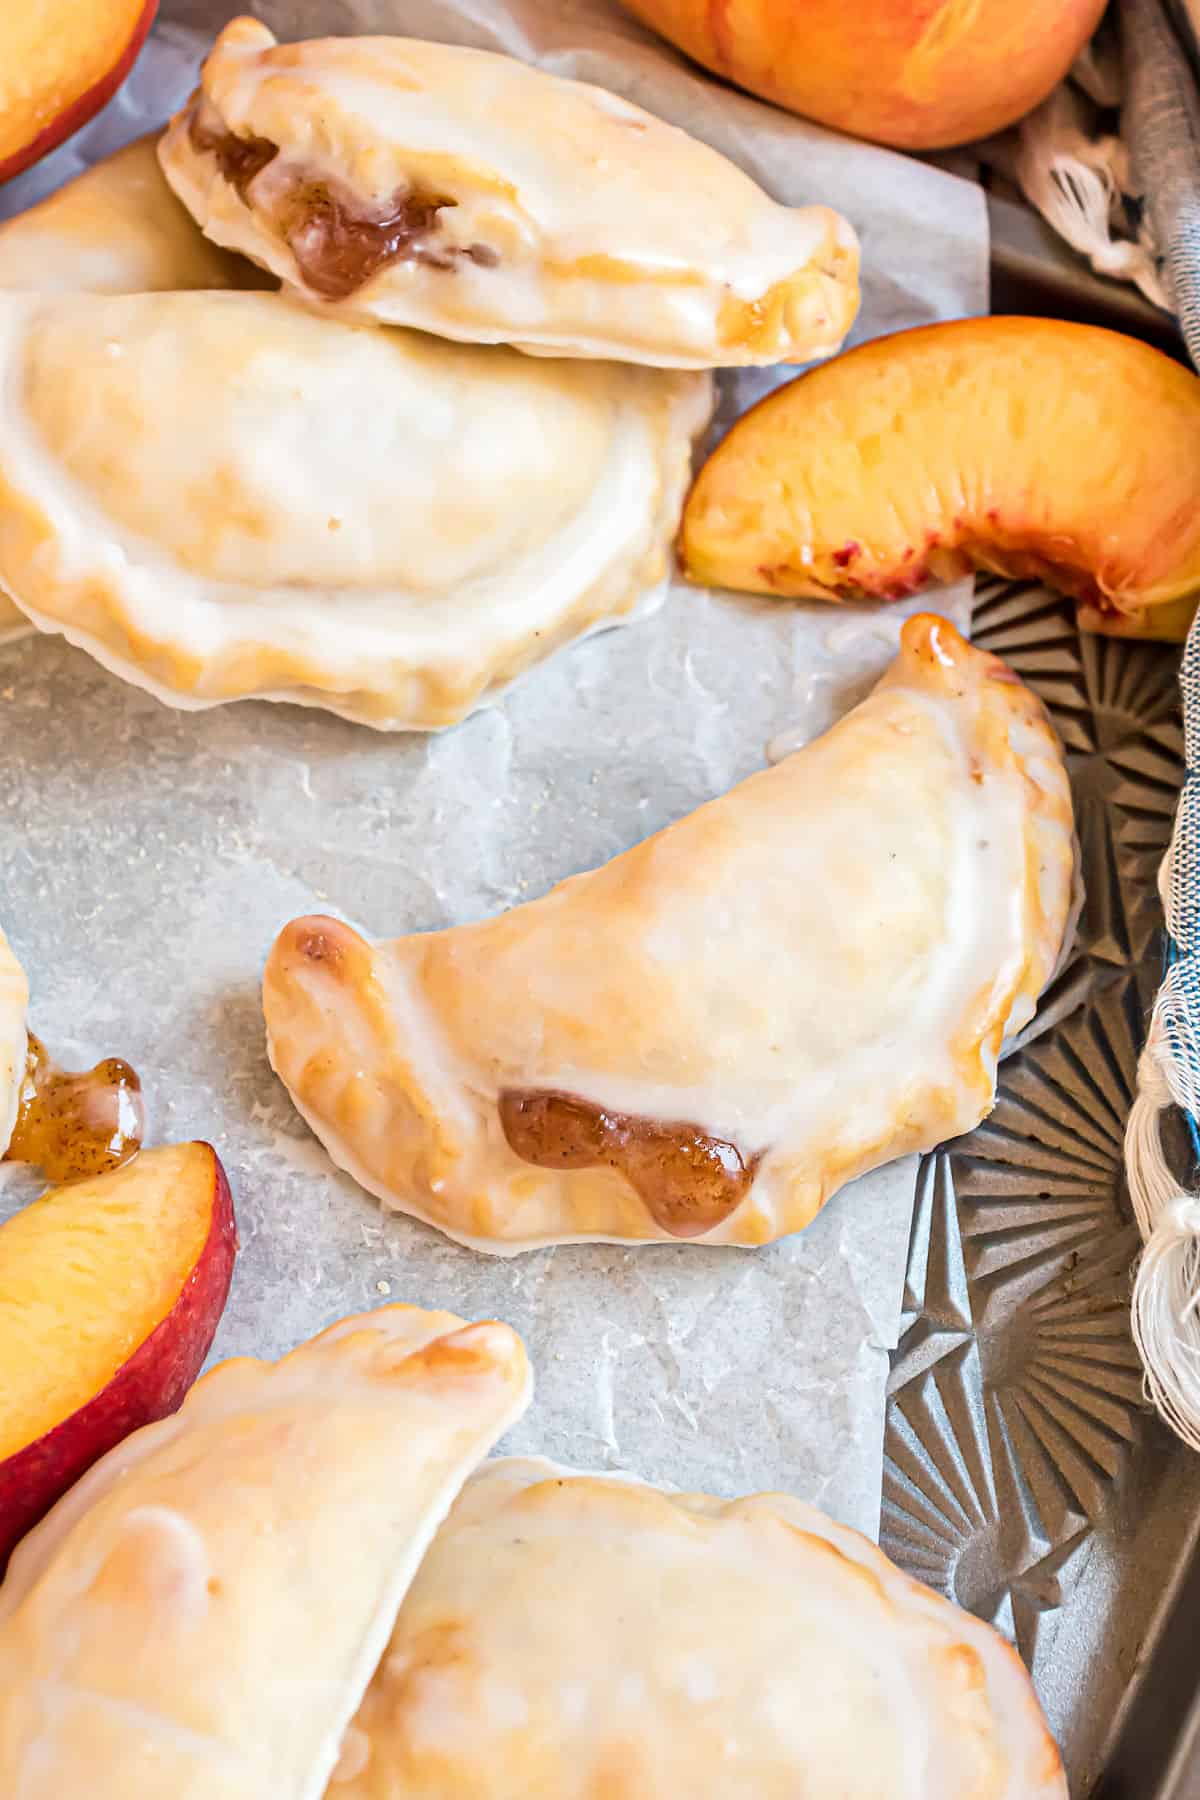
(1024,1476)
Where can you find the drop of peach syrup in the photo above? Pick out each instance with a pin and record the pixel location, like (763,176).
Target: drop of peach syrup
(688,1182)
(76,1124)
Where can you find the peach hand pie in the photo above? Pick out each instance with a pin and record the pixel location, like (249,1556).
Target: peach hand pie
(575,1635)
(708,1036)
(463,192)
(116,229)
(200,1616)
(221,495)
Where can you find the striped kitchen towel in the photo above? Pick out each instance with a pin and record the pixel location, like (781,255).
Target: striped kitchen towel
(1160,125)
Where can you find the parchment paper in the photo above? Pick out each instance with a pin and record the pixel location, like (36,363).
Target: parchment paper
(149,856)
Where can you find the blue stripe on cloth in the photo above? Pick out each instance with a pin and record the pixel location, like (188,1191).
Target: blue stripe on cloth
(1171,955)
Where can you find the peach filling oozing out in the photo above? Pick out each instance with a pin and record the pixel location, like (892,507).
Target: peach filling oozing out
(688,1181)
(339,246)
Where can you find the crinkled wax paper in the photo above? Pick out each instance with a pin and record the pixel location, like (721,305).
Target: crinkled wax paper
(148,856)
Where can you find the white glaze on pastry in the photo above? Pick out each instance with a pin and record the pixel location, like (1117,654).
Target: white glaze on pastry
(14,1002)
(115,229)
(541,212)
(199,1617)
(575,1635)
(220,495)
(813,973)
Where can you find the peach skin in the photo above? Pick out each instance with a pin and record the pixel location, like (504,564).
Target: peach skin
(1032,448)
(918,74)
(110,1293)
(60,60)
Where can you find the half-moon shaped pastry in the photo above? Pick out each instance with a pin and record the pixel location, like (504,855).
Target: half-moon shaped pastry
(14,1003)
(468,194)
(116,229)
(199,1617)
(223,496)
(712,1033)
(575,1635)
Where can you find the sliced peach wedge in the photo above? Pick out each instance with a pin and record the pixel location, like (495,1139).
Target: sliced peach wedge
(1028,447)
(60,60)
(110,1293)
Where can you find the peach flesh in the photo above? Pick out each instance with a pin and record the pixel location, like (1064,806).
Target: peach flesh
(1029,447)
(110,1294)
(64,60)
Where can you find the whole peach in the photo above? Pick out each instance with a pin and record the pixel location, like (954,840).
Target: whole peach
(918,74)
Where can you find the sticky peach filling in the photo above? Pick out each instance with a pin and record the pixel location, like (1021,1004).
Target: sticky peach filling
(689,1182)
(339,245)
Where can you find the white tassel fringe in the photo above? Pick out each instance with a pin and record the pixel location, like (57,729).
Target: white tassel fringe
(1077,185)
(1166,1292)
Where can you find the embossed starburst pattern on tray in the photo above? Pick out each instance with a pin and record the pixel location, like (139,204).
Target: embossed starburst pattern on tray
(1016,1428)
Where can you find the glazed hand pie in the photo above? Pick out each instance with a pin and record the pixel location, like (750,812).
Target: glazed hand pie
(200,1616)
(468,194)
(14,1002)
(573,1636)
(223,496)
(711,1034)
(116,229)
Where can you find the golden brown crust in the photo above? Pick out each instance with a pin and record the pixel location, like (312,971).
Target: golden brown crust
(441,597)
(568,1631)
(551,214)
(1013,733)
(806,978)
(156,1629)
